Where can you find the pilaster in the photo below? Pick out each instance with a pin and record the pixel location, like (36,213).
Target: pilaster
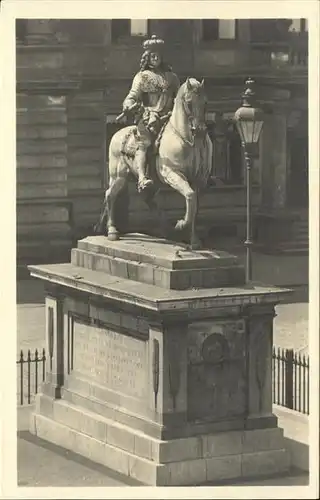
(168,371)
(259,352)
(280,158)
(55,344)
(274,164)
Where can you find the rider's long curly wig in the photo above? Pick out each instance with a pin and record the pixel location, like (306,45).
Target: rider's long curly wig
(145,62)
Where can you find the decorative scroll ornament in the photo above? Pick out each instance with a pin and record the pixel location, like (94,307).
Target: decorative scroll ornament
(50,334)
(155,369)
(174,372)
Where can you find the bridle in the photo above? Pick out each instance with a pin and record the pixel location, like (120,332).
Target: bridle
(190,118)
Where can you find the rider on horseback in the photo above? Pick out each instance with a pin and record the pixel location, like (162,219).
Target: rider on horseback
(154,88)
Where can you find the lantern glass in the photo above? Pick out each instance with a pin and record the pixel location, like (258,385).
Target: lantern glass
(249,130)
(256,131)
(239,128)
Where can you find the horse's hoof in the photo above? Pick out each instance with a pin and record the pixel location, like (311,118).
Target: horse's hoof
(113,235)
(97,229)
(196,245)
(180,225)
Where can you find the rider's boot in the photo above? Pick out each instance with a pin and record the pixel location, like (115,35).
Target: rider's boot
(140,162)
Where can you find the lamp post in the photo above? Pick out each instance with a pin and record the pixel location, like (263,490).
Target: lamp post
(249,121)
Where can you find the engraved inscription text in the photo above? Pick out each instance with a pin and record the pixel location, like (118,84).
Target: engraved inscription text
(111,359)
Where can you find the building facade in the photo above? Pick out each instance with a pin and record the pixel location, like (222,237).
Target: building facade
(72,76)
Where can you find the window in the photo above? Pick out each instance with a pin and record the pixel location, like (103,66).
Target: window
(138,27)
(272,30)
(299,25)
(262,30)
(124,28)
(219,29)
(227,29)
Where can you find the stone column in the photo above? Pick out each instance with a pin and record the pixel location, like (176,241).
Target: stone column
(244,30)
(273,158)
(279,151)
(267,164)
(107,32)
(197,31)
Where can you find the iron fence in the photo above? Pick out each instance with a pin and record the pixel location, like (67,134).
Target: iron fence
(290,379)
(31,372)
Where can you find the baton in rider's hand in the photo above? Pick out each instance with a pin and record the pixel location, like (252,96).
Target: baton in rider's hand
(127,111)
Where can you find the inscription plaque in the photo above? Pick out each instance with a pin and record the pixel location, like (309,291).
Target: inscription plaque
(111,359)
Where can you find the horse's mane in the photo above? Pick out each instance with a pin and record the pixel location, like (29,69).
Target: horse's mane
(193,83)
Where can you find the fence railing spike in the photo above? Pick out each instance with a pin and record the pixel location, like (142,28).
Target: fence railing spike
(290,385)
(31,378)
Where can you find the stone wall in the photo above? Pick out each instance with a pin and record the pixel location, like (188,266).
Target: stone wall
(86,158)
(60,171)
(43,209)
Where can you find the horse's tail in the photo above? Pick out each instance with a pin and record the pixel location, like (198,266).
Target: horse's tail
(98,228)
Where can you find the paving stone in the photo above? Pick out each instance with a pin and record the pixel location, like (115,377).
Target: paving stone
(265,462)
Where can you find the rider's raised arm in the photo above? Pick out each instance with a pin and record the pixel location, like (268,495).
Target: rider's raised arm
(135,94)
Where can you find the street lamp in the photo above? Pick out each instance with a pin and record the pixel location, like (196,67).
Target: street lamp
(249,121)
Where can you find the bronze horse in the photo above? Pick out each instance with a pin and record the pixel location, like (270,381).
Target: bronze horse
(184,160)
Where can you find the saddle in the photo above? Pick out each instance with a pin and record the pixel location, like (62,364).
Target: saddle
(129,144)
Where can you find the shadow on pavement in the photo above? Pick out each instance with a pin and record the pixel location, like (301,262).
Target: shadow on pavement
(74,457)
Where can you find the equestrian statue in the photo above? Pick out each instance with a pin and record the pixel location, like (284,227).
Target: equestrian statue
(168,143)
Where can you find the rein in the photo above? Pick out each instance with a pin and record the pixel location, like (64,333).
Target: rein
(190,117)
(190,143)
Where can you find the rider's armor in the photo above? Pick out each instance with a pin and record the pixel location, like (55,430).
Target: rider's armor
(154,89)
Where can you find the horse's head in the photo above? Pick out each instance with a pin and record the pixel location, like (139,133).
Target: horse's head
(194,99)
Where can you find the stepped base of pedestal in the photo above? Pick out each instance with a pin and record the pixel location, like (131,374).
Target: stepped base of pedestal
(158,262)
(193,460)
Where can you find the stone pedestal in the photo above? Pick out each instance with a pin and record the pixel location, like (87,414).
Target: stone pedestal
(160,363)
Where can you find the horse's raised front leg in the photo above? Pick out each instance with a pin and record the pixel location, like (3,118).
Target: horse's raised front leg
(180,184)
